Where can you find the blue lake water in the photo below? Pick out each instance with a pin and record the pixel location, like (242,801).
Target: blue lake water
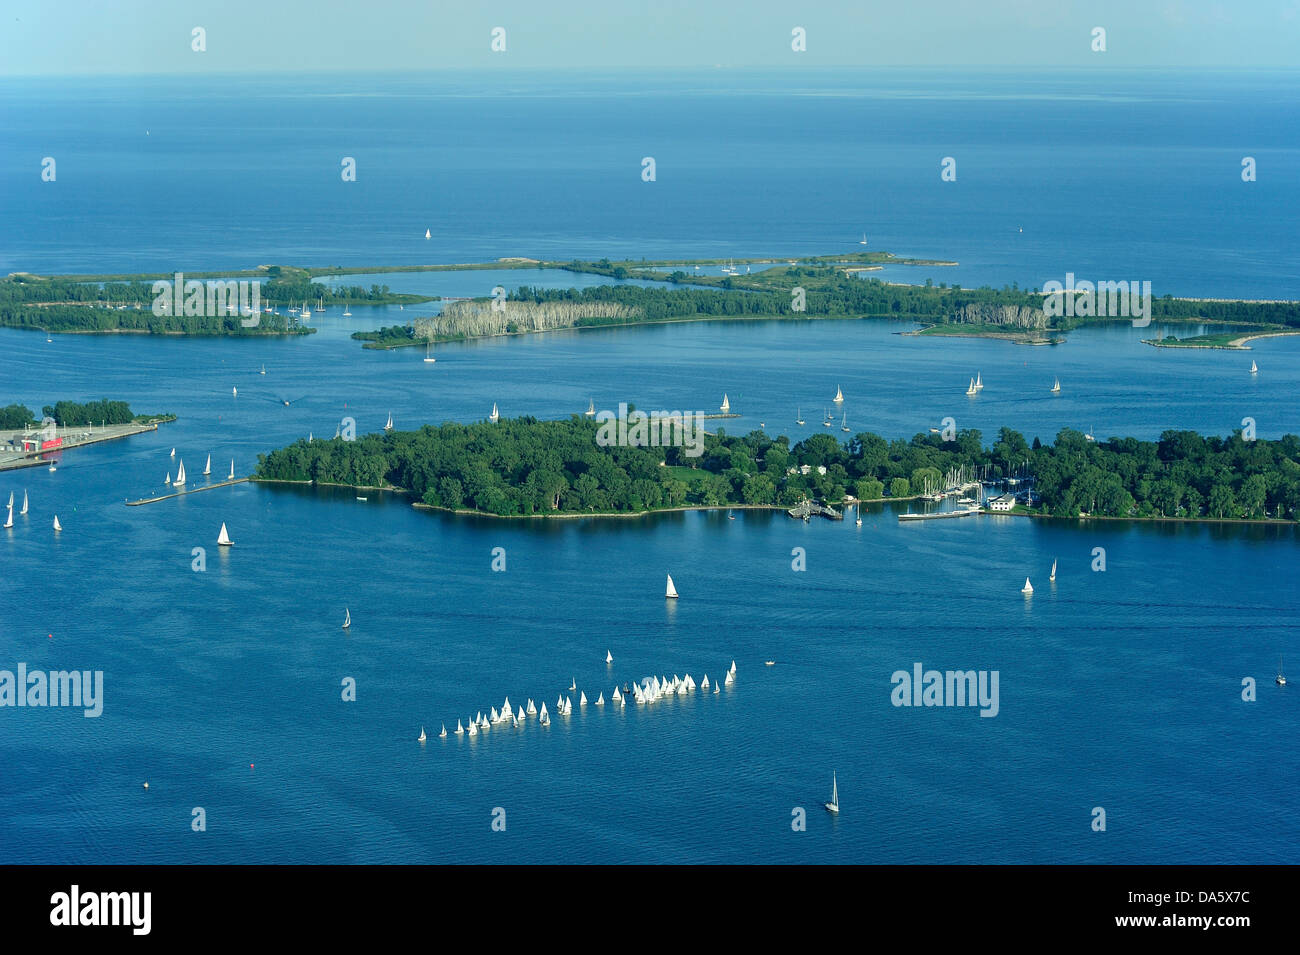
(1119,689)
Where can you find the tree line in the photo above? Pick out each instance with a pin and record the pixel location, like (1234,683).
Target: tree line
(527,466)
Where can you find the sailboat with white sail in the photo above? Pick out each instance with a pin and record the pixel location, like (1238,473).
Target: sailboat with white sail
(223,538)
(1028,588)
(591,408)
(1254,368)
(347,618)
(495,415)
(347,309)
(844,422)
(443,734)
(726,405)
(168,480)
(306,312)
(207,468)
(263,371)
(232,469)
(1056,386)
(9,521)
(180,476)
(421,738)
(798,415)
(1052,578)
(389,425)
(834,804)
(428,355)
(971,390)
(57,525)
(672,591)
(24,510)
(839,395)
(609,657)
(979,382)
(1281,677)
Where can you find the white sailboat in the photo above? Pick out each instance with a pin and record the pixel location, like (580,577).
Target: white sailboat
(57,525)
(863,240)
(473,729)
(223,539)
(728,680)
(24,510)
(1281,677)
(573,684)
(1254,368)
(347,618)
(495,415)
(617,697)
(263,371)
(443,734)
(421,738)
(9,521)
(428,234)
(173,454)
(591,408)
(460,728)
(979,382)
(672,591)
(543,719)
(726,405)
(844,422)
(1053,575)
(389,425)
(1056,386)
(600,700)
(834,804)
(180,476)
(582,699)
(568,706)
(839,395)
(798,415)
(532,707)
(232,469)
(234,392)
(1028,588)
(168,479)
(306,312)
(609,657)
(971,391)
(428,356)
(347,310)
(207,468)
(732,671)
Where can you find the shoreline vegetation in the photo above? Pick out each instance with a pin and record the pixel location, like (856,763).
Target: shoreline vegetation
(805,288)
(524,467)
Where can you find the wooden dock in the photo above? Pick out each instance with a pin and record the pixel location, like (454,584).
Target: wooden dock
(190,490)
(806,509)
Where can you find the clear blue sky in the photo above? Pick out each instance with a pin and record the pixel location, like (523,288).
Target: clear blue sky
(71,37)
